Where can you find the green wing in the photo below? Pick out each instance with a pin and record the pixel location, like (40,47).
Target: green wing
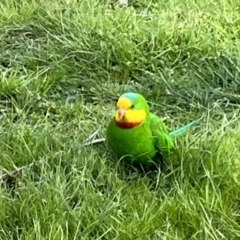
(164,142)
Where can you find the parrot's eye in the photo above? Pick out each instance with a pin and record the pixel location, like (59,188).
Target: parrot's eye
(132,106)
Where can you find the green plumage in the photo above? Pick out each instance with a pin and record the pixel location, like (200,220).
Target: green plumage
(140,144)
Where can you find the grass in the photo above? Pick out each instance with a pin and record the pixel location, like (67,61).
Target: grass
(63,65)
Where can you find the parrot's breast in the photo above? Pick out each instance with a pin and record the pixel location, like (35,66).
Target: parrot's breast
(136,144)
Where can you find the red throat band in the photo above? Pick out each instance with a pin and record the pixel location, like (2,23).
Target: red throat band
(127,124)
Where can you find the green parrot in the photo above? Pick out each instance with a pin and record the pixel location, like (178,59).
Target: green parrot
(137,135)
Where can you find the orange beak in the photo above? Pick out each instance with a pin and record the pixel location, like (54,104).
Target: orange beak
(121,113)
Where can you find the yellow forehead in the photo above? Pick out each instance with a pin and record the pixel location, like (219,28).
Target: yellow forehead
(124,103)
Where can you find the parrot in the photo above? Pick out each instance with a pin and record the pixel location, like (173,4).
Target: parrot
(138,136)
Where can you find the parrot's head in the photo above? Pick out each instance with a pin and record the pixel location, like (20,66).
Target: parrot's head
(132,110)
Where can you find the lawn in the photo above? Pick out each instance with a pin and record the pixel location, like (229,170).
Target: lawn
(63,64)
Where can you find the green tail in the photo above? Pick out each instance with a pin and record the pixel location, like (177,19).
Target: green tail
(183,129)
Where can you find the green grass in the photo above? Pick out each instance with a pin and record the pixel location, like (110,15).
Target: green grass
(64,63)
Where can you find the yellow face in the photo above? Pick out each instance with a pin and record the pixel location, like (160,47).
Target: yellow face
(126,112)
